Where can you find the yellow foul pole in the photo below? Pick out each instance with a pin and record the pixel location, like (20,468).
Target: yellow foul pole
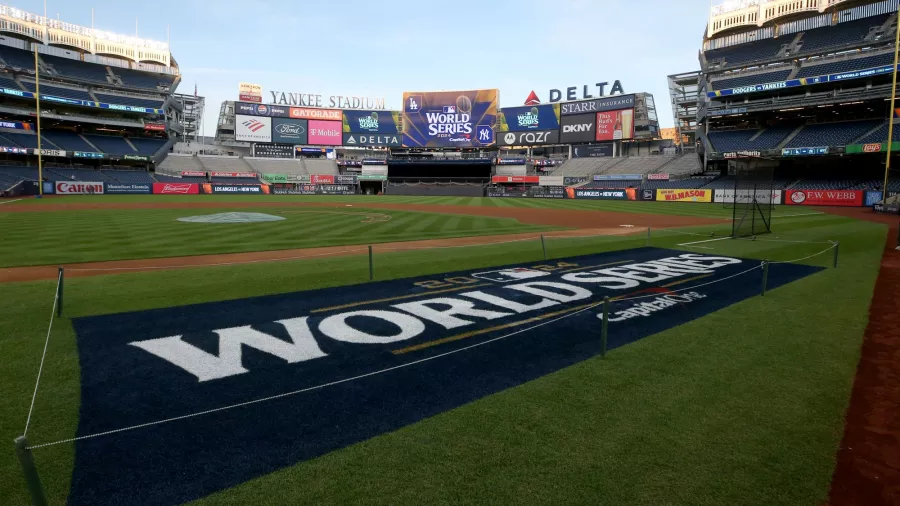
(37,96)
(887,163)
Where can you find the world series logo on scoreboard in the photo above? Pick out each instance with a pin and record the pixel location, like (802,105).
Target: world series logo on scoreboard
(450,119)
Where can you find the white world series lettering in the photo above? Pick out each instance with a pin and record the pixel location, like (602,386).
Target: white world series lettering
(411,319)
(445,123)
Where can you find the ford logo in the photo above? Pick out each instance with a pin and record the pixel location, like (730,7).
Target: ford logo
(286,129)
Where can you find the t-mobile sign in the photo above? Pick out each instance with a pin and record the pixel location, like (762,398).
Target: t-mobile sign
(325,133)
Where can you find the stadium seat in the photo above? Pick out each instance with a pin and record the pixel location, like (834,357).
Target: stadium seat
(735,82)
(739,140)
(831,134)
(129,176)
(76,69)
(750,51)
(145,80)
(26,140)
(110,144)
(7,81)
(880,135)
(146,146)
(66,174)
(840,34)
(846,65)
(17,58)
(67,140)
(58,91)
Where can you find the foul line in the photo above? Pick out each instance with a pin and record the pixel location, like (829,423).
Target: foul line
(43,356)
(10,201)
(703,241)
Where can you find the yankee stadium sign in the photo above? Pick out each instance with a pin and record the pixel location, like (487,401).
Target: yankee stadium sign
(333,101)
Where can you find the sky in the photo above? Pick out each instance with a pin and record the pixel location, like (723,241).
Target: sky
(383,48)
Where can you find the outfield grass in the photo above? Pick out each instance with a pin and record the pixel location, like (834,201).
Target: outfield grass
(743,406)
(42,238)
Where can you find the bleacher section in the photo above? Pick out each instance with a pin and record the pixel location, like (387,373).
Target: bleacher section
(840,34)
(234,180)
(639,165)
(24,140)
(223,164)
(735,82)
(120,100)
(17,57)
(60,174)
(274,166)
(145,80)
(110,144)
(7,81)
(67,140)
(746,52)
(78,70)
(175,163)
(682,165)
(129,176)
(739,140)
(831,134)
(320,166)
(146,146)
(880,135)
(845,65)
(687,184)
(58,91)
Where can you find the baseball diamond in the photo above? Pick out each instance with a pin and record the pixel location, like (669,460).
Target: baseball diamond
(450,277)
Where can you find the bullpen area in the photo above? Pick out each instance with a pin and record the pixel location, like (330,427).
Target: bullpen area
(422,350)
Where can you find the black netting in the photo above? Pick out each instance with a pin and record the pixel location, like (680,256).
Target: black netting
(753,196)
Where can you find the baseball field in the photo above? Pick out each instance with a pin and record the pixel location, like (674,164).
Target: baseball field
(412,350)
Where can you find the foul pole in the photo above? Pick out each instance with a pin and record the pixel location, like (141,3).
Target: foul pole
(37,96)
(887,163)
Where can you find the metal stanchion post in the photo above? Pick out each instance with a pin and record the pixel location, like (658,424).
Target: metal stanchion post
(836,245)
(648,236)
(371,268)
(765,279)
(605,327)
(26,460)
(544,246)
(59,292)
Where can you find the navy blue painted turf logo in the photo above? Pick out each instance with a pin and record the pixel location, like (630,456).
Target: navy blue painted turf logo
(355,361)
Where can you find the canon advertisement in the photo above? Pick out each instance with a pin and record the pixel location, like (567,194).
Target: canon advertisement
(252,128)
(273,150)
(378,140)
(615,125)
(289,131)
(325,133)
(528,138)
(597,105)
(578,128)
(521,119)
(461,119)
(78,188)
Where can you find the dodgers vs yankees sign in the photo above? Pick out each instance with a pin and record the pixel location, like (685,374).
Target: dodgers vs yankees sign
(250,386)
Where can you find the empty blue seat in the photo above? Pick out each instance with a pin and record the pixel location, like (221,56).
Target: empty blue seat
(110,144)
(138,102)
(735,82)
(846,65)
(831,134)
(840,34)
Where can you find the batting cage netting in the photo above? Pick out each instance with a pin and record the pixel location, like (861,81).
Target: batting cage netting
(753,197)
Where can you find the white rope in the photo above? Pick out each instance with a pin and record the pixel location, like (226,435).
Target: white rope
(43,355)
(694,287)
(833,245)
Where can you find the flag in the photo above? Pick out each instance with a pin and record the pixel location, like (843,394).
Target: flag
(195,89)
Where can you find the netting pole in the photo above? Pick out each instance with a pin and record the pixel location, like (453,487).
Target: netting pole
(371,268)
(26,460)
(836,245)
(605,327)
(544,246)
(648,236)
(765,279)
(59,293)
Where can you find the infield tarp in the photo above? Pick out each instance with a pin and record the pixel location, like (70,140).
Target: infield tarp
(391,353)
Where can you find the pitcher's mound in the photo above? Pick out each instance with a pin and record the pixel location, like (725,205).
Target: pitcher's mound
(231,218)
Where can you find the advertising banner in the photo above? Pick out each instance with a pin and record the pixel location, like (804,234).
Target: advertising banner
(821,150)
(578,128)
(320,114)
(522,119)
(351,179)
(274,111)
(48,152)
(252,128)
(597,105)
(275,178)
(176,188)
(588,193)
(89,154)
(887,209)
(78,188)
(289,131)
(250,92)
(615,125)
(313,189)
(461,119)
(876,147)
(156,127)
(824,197)
(326,133)
(507,191)
(321,178)
(119,188)
(136,158)
(379,140)
(17,125)
(567,180)
(193,173)
(225,188)
(530,138)
(273,150)
(83,103)
(234,174)
(727,196)
(547,192)
(805,81)
(677,195)
(647,194)
(657,177)
(18,151)
(617,177)
(49,187)
(372,177)
(592,151)
(510,161)
(550,180)
(371,122)
(516,179)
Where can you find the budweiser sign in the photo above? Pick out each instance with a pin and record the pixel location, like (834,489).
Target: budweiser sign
(176,188)
(78,188)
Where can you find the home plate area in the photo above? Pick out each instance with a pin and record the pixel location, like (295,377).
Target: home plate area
(215,394)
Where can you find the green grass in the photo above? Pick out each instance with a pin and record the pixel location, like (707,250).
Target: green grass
(743,406)
(42,238)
